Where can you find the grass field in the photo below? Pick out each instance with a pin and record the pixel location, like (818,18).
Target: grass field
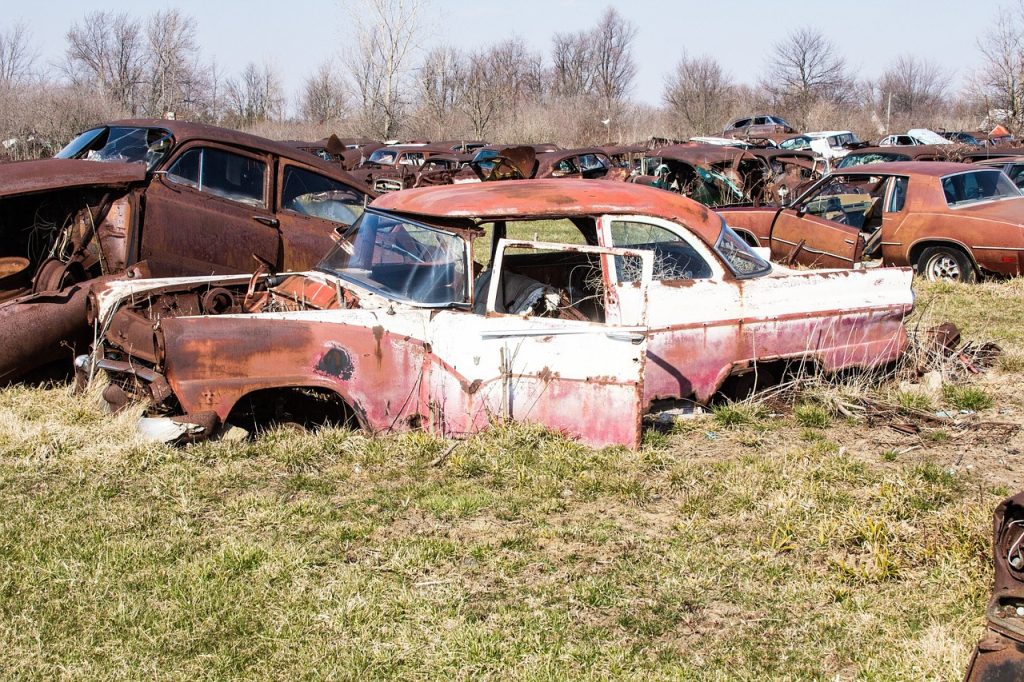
(745,544)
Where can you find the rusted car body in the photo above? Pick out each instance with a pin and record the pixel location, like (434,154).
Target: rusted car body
(587,163)
(652,301)
(716,175)
(999,656)
(165,198)
(948,220)
(349,152)
(396,167)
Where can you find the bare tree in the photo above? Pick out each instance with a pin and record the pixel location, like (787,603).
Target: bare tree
(386,35)
(107,48)
(483,92)
(255,96)
(440,83)
(917,87)
(700,93)
(612,55)
(175,76)
(323,95)
(805,69)
(17,57)
(1001,82)
(573,65)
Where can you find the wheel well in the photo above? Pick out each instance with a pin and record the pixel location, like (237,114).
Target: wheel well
(310,407)
(917,249)
(743,382)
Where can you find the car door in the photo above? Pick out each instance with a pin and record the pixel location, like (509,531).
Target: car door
(577,376)
(814,232)
(210,213)
(311,206)
(693,330)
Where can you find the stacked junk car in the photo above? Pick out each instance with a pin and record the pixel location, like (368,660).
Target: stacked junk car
(224,284)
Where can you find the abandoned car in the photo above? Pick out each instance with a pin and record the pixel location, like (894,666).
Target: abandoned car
(156,197)
(716,175)
(948,220)
(640,299)
(754,126)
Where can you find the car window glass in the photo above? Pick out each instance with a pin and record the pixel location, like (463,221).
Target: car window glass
(842,201)
(760,121)
(564,167)
(965,188)
(899,195)
(674,257)
(221,173)
(1016,174)
(411,159)
(313,194)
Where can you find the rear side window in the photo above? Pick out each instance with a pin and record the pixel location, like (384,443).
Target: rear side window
(899,195)
(221,173)
(315,195)
(674,258)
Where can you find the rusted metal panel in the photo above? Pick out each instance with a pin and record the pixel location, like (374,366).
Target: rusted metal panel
(30,177)
(999,656)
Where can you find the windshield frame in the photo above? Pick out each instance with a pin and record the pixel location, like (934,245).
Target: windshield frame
(383,292)
(86,142)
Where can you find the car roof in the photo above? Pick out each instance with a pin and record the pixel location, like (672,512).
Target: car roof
(187,130)
(562,198)
(935,169)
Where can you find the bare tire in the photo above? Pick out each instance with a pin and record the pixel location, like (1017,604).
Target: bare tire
(947,263)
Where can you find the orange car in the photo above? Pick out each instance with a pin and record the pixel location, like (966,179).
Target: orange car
(947,220)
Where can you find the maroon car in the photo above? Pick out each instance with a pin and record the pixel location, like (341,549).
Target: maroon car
(163,198)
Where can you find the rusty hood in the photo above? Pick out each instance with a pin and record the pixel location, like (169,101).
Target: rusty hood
(44,175)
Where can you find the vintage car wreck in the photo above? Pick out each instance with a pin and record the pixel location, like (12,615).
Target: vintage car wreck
(717,175)
(645,299)
(999,656)
(149,196)
(948,220)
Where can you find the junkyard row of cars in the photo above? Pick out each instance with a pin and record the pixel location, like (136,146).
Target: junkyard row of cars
(226,279)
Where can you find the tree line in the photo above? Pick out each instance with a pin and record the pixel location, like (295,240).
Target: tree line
(388,83)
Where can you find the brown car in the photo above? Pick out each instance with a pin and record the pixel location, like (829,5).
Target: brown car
(948,220)
(156,197)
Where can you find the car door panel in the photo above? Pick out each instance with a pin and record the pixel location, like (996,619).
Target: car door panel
(566,374)
(309,215)
(812,241)
(189,231)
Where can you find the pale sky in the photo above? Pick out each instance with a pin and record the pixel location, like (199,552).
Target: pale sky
(297,35)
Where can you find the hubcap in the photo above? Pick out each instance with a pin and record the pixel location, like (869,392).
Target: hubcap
(943,266)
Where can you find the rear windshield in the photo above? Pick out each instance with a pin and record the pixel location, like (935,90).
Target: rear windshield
(975,186)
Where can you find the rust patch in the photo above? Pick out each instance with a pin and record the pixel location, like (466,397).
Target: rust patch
(336,363)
